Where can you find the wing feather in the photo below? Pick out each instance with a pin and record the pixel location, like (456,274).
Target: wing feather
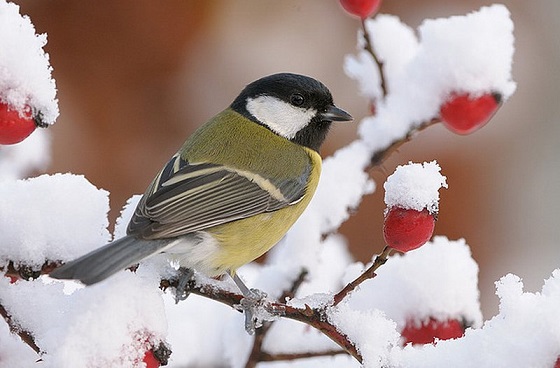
(187,197)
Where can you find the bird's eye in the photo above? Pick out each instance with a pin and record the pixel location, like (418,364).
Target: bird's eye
(296,99)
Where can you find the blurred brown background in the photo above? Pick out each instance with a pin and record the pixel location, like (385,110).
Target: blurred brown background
(135,77)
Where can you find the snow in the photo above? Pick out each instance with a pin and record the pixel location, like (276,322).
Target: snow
(372,332)
(110,324)
(439,280)
(449,55)
(415,186)
(51,218)
(126,214)
(62,216)
(343,183)
(25,72)
(460,46)
(525,333)
(394,59)
(32,155)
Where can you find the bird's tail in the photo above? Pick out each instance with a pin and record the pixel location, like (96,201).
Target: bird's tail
(109,259)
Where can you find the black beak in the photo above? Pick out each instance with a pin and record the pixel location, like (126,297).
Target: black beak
(333,113)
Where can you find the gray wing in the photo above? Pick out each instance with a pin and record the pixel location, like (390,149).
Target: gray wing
(186,197)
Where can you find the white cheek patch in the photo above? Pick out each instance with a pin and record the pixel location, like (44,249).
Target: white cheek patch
(281,117)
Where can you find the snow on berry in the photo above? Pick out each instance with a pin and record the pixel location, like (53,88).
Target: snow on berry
(415,186)
(464,54)
(25,71)
(93,327)
(439,280)
(426,332)
(523,334)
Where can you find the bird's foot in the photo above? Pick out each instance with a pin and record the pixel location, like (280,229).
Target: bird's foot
(253,307)
(256,308)
(185,275)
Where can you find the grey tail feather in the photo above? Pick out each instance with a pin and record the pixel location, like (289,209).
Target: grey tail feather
(109,259)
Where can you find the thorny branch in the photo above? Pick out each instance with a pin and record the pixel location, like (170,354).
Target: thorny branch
(265,357)
(314,317)
(367,274)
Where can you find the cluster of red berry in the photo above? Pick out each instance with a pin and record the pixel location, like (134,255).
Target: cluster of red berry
(461,113)
(407,229)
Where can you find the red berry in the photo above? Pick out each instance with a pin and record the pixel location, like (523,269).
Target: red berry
(150,360)
(14,127)
(361,8)
(463,114)
(407,229)
(428,331)
(557,364)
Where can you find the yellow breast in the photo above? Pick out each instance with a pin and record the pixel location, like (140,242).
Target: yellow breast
(243,241)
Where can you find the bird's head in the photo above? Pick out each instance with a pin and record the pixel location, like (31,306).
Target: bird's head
(293,106)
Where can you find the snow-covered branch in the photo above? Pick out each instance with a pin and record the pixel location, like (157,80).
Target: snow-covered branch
(455,71)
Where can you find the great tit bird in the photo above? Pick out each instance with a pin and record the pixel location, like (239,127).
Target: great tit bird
(233,189)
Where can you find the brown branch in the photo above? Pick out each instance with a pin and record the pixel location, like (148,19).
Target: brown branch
(317,318)
(25,336)
(257,354)
(367,274)
(23,272)
(314,317)
(378,157)
(265,357)
(369,48)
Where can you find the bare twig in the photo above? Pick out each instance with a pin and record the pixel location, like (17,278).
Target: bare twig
(369,48)
(265,357)
(378,157)
(367,274)
(318,319)
(257,354)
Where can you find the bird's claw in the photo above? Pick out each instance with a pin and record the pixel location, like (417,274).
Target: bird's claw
(253,306)
(258,309)
(184,277)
